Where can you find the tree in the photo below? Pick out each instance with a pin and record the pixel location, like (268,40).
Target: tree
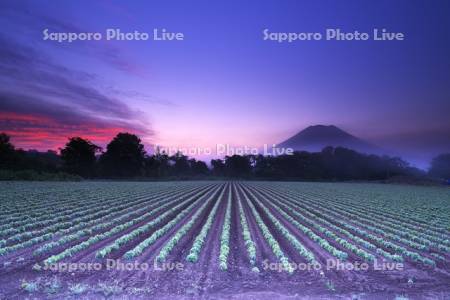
(124,156)
(159,164)
(8,155)
(79,156)
(198,167)
(218,167)
(237,166)
(180,164)
(440,166)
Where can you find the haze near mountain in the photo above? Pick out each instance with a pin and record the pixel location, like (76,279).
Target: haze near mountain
(315,138)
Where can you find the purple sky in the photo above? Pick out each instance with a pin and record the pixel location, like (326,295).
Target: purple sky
(223,83)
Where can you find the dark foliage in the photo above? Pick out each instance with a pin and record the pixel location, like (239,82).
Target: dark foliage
(198,167)
(125,158)
(440,166)
(79,157)
(157,165)
(18,159)
(336,164)
(48,161)
(218,167)
(237,166)
(8,155)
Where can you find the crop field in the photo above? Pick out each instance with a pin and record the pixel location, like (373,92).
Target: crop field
(258,240)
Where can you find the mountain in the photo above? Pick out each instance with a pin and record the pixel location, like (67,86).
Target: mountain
(315,138)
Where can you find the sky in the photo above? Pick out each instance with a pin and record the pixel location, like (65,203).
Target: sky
(225,84)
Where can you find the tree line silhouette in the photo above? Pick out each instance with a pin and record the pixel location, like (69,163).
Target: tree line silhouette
(126,158)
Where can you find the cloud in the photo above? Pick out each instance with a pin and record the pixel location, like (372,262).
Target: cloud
(41,133)
(39,124)
(43,103)
(25,19)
